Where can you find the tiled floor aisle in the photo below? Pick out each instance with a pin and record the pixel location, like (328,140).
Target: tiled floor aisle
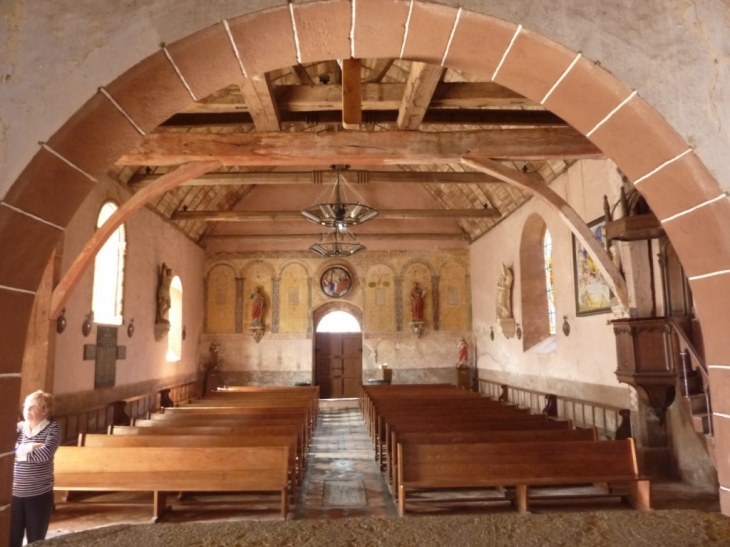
(342,477)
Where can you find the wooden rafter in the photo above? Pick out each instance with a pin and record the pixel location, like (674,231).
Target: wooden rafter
(392,214)
(302,74)
(561,207)
(257,93)
(380,69)
(420,87)
(351,94)
(360,148)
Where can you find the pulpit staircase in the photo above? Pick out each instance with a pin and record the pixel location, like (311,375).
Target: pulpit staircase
(694,387)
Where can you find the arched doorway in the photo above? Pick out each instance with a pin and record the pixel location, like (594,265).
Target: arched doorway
(338,351)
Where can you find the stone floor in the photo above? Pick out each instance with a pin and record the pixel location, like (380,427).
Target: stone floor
(342,480)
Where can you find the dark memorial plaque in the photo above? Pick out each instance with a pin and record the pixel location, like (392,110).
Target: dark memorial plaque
(106,356)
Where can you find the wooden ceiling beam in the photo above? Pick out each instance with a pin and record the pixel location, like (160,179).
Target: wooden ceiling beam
(392,214)
(370,148)
(351,94)
(420,87)
(386,118)
(360,236)
(257,93)
(377,96)
(326,177)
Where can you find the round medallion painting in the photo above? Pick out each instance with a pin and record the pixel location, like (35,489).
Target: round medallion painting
(336,281)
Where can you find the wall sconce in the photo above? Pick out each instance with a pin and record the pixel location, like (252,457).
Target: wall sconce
(566,326)
(184,333)
(518,332)
(491,333)
(130,328)
(86,325)
(61,322)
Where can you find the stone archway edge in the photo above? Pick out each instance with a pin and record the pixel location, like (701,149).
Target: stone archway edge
(569,216)
(166,182)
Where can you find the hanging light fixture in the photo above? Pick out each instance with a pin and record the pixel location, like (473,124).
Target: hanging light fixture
(337,243)
(339,215)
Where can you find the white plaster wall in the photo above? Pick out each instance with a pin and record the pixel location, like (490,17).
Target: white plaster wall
(588,355)
(55,55)
(150,241)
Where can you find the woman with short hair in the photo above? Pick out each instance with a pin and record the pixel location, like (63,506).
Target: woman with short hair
(38,438)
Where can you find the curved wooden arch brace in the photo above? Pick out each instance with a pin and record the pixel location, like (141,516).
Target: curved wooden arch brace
(579,228)
(168,181)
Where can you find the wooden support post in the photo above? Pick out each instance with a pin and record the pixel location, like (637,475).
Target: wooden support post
(351,94)
(641,495)
(521,503)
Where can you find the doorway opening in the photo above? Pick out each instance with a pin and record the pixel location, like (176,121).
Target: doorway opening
(338,355)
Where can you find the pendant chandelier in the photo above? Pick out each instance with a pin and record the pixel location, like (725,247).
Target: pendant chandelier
(339,215)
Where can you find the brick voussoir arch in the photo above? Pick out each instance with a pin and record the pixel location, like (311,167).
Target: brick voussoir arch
(628,130)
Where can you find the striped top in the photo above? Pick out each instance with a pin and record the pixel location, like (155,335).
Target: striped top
(34,476)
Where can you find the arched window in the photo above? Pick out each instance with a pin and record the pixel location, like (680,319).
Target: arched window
(108,291)
(174,337)
(547,251)
(536,287)
(338,321)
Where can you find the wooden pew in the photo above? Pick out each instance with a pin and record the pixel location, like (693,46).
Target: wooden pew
(448,466)
(480,436)
(229,421)
(174,469)
(289,441)
(235,411)
(233,431)
(449,423)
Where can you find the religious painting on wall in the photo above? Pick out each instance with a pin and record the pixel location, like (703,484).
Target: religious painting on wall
(336,281)
(592,293)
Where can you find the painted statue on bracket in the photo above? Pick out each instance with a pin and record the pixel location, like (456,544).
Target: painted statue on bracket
(417,298)
(257,308)
(164,300)
(504,293)
(463,352)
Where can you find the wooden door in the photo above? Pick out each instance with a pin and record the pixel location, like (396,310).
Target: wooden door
(338,364)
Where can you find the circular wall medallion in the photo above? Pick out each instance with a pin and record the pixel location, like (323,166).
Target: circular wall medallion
(336,281)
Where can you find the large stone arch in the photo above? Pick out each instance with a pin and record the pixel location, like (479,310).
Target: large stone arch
(656,158)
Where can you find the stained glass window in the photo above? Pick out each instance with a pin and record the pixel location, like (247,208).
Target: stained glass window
(547,248)
(106,300)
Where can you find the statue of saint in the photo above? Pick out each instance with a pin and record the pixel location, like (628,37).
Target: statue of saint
(504,294)
(417,296)
(163,294)
(463,352)
(257,308)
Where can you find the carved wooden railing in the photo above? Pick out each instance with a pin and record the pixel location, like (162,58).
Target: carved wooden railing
(98,419)
(611,422)
(691,358)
